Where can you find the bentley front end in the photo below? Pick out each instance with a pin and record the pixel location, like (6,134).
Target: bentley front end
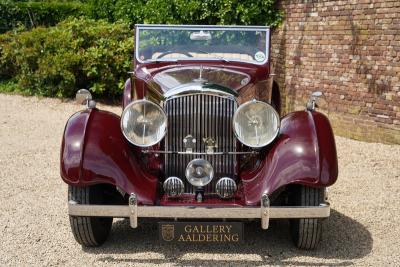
(190,150)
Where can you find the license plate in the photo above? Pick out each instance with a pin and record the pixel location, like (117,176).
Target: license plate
(201,232)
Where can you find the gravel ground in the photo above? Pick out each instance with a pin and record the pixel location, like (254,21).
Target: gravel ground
(34,228)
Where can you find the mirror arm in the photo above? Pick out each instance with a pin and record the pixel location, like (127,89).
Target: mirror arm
(90,103)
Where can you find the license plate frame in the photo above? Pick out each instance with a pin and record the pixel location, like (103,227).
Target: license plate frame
(200,232)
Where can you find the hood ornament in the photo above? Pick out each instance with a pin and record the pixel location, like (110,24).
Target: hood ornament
(200,79)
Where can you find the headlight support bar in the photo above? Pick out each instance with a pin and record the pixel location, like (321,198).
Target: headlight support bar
(200,153)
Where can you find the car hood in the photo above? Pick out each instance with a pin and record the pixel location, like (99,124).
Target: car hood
(170,78)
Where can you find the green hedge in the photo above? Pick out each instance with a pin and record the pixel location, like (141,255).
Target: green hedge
(77,53)
(32,14)
(8,9)
(229,12)
(84,53)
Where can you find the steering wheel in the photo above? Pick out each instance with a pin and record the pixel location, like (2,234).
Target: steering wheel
(174,52)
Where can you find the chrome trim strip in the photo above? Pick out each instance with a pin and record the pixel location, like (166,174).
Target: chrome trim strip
(125,211)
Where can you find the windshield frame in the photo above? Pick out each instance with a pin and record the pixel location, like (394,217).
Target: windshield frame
(265,29)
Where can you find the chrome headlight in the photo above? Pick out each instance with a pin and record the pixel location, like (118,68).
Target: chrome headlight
(143,123)
(256,123)
(199,172)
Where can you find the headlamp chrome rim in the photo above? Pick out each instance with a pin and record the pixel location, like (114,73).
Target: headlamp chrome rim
(254,101)
(149,102)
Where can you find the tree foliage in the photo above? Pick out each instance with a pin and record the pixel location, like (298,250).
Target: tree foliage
(32,14)
(228,12)
(91,47)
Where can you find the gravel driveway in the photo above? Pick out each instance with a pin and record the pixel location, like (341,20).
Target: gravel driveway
(34,228)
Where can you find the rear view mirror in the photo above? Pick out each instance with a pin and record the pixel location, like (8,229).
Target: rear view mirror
(311,104)
(200,36)
(316,94)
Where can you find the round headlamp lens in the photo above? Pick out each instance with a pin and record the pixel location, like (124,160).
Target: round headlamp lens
(256,123)
(199,172)
(143,123)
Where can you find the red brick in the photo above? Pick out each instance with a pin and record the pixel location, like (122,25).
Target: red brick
(351,49)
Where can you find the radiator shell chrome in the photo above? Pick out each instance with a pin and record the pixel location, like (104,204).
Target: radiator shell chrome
(201,115)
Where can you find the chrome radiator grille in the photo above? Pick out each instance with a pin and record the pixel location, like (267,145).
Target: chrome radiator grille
(202,116)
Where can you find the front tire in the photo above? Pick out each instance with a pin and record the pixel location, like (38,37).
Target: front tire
(89,231)
(306,233)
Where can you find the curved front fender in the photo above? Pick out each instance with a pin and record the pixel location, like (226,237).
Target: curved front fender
(72,147)
(304,153)
(94,151)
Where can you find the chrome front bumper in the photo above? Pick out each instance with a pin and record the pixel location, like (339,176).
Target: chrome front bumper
(265,212)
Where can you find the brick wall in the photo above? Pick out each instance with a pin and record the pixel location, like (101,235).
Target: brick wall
(349,50)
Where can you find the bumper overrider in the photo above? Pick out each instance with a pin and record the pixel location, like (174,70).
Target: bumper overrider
(265,212)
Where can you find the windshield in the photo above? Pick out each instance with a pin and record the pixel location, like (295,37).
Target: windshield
(172,42)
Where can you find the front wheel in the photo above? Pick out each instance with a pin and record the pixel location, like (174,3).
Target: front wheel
(89,231)
(306,233)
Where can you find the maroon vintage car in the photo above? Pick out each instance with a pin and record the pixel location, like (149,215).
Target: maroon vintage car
(192,150)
